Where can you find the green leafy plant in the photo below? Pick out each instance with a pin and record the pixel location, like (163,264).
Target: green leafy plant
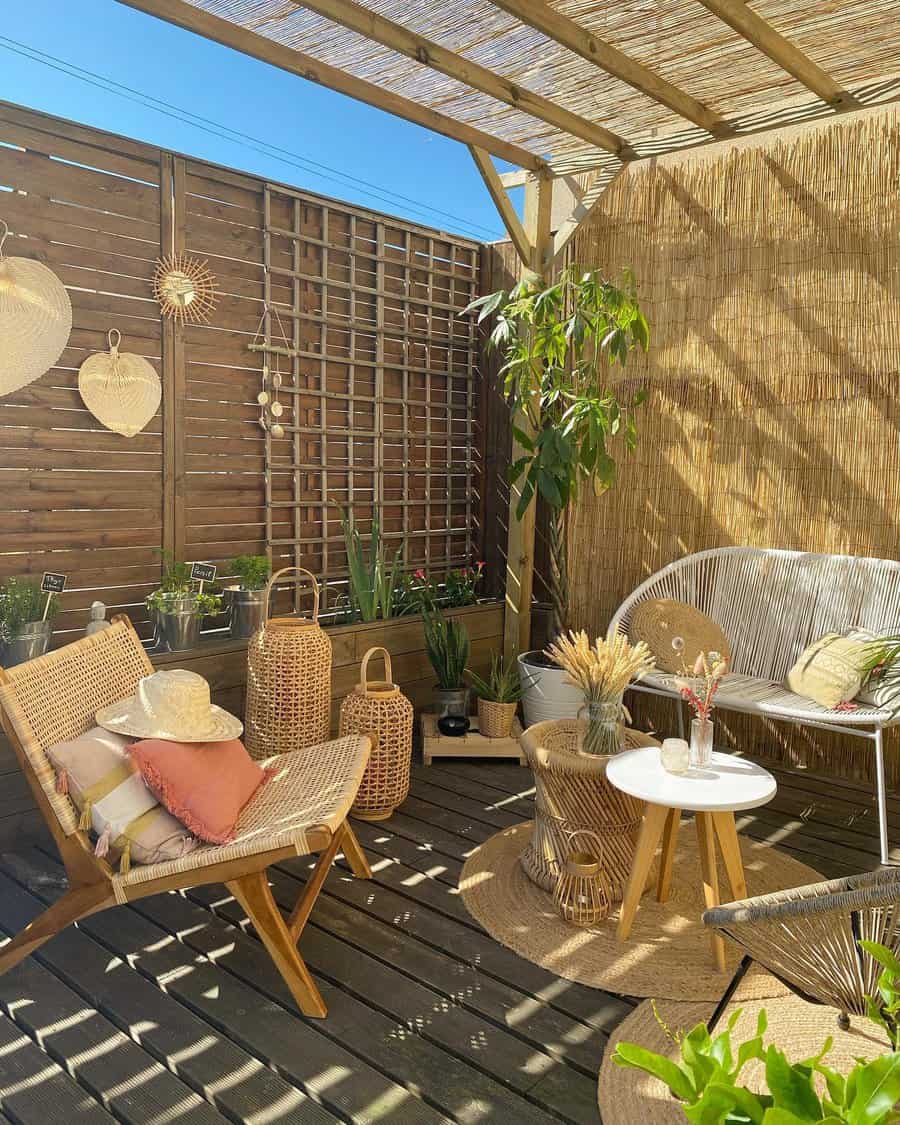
(252,571)
(373,577)
(417,593)
(21,603)
(881,668)
(502,684)
(461,584)
(706,1078)
(176,582)
(447,645)
(558,341)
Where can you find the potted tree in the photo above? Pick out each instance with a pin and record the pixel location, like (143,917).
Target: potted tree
(245,599)
(498,697)
(447,645)
(25,621)
(177,607)
(558,341)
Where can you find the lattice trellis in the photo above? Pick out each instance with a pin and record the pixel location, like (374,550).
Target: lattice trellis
(380,386)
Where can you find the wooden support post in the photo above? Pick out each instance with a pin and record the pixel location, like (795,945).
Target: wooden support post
(520,541)
(503,203)
(171,238)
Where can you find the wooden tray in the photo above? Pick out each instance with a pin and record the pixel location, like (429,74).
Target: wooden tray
(470,745)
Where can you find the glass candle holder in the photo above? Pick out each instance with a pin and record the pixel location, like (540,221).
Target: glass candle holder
(675,755)
(701,742)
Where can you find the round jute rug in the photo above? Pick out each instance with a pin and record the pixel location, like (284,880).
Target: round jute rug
(630,1097)
(668,953)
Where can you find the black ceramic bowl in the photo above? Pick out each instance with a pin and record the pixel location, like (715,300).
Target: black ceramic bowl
(454,726)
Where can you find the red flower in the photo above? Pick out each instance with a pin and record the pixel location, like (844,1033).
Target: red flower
(419,573)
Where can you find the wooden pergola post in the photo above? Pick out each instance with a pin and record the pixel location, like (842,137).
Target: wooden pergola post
(520,538)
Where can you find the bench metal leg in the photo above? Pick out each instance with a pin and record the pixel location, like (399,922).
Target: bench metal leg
(882,797)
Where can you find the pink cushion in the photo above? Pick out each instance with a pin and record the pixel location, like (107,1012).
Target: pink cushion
(204,784)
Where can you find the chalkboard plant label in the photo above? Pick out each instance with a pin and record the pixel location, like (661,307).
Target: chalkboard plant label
(203,572)
(53,583)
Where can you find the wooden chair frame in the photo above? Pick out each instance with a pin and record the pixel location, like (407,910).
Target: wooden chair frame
(91,885)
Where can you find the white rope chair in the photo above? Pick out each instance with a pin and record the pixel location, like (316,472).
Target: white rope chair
(301,810)
(808,937)
(771,605)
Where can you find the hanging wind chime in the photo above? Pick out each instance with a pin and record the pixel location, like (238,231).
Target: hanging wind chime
(270,408)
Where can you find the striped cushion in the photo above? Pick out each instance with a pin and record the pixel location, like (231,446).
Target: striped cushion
(108,790)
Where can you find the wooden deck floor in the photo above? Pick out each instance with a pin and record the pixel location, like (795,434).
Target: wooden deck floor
(169,1011)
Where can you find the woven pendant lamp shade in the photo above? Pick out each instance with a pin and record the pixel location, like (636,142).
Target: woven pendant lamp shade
(35,320)
(379,708)
(121,390)
(288,680)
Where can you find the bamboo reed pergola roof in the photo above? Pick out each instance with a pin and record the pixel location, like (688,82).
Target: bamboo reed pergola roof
(578,84)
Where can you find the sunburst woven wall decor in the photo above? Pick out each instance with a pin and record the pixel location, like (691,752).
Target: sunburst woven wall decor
(185,288)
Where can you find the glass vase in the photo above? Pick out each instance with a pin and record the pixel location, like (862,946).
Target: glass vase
(701,742)
(605,732)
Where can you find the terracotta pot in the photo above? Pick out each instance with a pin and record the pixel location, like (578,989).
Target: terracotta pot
(495,720)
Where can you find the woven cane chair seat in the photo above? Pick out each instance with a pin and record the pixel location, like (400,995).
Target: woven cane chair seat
(573,795)
(807,936)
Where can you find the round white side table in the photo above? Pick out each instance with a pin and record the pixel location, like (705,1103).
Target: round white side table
(714,793)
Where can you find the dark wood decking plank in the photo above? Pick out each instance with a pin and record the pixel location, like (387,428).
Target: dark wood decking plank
(484,812)
(382,842)
(402,1027)
(448,778)
(296,1049)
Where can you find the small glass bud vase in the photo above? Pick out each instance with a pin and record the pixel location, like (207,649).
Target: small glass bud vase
(675,755)
(701,742)
(605,734)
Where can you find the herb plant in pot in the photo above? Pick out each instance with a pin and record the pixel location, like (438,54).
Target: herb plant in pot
(447,645)
(25,621)
(246,598)
(559,341)
(177,608)
(498,697)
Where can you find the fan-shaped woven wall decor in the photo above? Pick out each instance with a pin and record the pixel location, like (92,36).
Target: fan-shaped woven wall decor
(121,390)
(185,288)
(35,319)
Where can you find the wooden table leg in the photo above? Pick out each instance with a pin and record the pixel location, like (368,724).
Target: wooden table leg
(669,842)
(651,830)
(731,852)
(707,841)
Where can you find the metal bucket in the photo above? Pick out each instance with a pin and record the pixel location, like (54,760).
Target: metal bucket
(29,641)
(245,611)
(451,701)
(177,627)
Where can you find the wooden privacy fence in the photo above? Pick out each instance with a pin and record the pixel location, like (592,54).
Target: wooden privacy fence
(381,389)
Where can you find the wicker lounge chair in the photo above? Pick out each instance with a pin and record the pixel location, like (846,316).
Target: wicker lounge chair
(300,811)
(808,937)
(771,605)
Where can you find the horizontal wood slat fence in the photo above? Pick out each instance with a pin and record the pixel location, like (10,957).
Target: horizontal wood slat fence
(382,396)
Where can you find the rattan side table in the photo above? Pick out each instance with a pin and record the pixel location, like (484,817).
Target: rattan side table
(572,794)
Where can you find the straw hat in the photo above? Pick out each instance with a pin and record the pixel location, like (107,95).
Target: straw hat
(35,319)
(174,706)
(121,390)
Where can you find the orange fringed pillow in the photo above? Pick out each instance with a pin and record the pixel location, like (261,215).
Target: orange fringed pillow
(204,784)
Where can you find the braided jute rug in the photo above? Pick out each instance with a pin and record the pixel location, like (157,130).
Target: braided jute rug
(668,954)
(630,1097)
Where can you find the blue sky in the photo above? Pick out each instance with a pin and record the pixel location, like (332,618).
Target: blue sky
(188,73)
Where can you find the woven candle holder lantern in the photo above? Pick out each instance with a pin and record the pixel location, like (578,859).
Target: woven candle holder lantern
(379,708)
(583,891)
(288,679)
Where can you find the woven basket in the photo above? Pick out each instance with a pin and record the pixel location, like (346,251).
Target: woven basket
(288,680)
(382,710)
(495,720)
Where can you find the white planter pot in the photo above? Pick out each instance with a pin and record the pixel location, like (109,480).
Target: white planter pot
(544,694)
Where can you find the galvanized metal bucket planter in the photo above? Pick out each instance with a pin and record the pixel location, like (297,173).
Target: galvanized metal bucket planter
(245,611)
(30,640)
(176,622)
(451,701)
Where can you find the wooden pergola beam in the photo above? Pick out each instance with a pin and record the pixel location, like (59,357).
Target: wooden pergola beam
(741,18)
(222,31)
(583,208)
(398,38)
(555,25)
(503,203)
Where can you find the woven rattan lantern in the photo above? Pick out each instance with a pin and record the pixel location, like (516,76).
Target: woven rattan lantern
(121,390)
(288,680)
(35,319)
(379,708)
(583,890)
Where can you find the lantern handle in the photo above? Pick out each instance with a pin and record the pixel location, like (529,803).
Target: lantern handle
(296,570)
(363,668)
(588,833)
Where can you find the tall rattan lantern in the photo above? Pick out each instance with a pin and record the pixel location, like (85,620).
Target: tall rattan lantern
(379,708)
(288,680)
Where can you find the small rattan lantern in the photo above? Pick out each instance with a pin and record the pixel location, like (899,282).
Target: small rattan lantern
(583,891)
(379,708)
(288,680)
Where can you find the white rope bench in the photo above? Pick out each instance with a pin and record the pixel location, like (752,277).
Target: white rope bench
(771,604)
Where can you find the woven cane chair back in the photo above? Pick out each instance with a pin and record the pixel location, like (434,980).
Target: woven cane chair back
(55,697)
(772,604)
